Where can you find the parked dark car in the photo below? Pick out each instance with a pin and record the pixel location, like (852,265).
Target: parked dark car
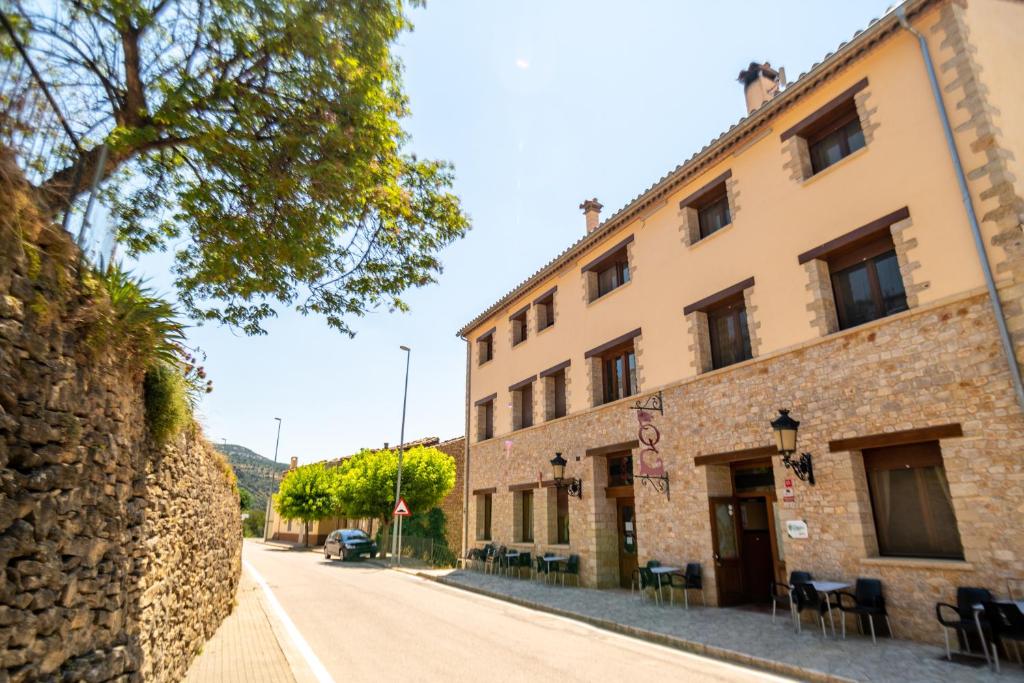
(348,544)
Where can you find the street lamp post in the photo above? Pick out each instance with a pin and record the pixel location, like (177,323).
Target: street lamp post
(266,516)
(396,535)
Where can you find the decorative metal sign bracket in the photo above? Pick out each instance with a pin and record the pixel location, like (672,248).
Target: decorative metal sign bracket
(659,484)
(652,403)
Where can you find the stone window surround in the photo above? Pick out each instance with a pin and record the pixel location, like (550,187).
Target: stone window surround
(595,368)
(478,496)
(549,294)
(689,207)
(795,150)
(590,270)
(517,405)
(700,333)
(479,342)
(853,449)
(524,312)
(480,416)
(822,306)
(547,393)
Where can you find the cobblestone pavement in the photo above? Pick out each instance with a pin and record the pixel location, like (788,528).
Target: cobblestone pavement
(244,649)
(746,634)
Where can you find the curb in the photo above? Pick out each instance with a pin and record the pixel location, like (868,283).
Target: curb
(674,642)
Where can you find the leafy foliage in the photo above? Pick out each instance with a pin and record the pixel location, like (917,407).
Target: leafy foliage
(244,499)
(367,481)
(308,493)
(262,139)
(252,526)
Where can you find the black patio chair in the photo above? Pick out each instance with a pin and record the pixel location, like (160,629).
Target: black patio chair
(963,618)
(866,600)
(540,567)
(494,559)
(806,598)
(643,578)
(782,591)
(1007,623)
(572,568)
(690,579)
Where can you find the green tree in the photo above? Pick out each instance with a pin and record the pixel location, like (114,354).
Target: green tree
(366,486)
(252,526)
(261,139)
(308,493)
(244,498)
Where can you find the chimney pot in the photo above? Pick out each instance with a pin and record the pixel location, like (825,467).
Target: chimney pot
(760,83)
(592,210)
(294,463)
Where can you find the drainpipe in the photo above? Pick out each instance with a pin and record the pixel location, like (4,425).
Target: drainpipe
(465,460)
(972,218)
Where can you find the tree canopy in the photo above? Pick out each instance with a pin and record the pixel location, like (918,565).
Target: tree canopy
(368,479)
(261,140)
(308,493)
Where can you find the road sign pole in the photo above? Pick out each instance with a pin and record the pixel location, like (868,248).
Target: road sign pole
(396,541)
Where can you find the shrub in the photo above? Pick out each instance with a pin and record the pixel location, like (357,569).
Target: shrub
(167,406)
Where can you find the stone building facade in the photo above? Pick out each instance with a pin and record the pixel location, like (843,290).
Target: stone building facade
(120,558)
(904,392)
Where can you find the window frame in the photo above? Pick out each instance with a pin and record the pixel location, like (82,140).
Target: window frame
(545,305)
(818,135)
(526,518)
(913,456)
(718,199)
(562,515)
(610,385)
(485,341)
(521,391)
(486,517)
(866,255)
(485,419)
(520,324)
(736,308)
(618,266)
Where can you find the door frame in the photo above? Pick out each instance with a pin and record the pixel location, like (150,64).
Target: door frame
(733,502)
(778,565)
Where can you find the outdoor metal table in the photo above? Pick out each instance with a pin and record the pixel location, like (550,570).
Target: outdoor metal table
(510,555)
(552,558)
(824,587)
(978,609)
(658,571)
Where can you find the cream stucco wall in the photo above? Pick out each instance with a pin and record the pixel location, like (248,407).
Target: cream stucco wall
(905,164)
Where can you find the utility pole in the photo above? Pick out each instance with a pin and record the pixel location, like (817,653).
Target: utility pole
(266,516)
(396,539)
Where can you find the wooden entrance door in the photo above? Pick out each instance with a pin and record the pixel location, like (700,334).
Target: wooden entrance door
(627,540)
(726,550)
(756,542)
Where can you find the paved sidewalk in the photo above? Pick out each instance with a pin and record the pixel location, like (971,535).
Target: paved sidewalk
(737,635)
(245,649)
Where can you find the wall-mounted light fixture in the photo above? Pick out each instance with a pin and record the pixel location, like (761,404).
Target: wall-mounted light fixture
(574,486)
(785,441)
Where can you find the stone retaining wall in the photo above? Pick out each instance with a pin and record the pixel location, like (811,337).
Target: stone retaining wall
(120,559)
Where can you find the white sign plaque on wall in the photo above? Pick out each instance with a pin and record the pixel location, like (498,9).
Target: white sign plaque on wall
(796,528)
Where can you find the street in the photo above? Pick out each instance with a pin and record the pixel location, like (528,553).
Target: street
(363,622)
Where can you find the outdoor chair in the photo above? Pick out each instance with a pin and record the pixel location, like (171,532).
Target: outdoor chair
(643,578)
(806,598)
(540,567)
(865,601)
(523,561)
(494,559)
(783,591)
(1007,623)
(690,579)
(962,619)
(572,568)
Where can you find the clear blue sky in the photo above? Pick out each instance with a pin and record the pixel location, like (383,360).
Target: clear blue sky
(539,105)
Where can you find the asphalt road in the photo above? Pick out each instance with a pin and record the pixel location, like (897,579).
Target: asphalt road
(367,623)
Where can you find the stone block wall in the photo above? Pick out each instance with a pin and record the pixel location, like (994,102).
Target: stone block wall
(120,559)
(452,503)
(933,365)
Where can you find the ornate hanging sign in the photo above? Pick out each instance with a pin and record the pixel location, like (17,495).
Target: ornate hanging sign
(652,466)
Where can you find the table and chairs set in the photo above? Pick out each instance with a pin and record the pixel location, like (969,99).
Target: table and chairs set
(498,559)
(992,621)
(658,577)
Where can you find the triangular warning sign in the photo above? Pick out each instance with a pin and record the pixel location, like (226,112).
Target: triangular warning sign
(402,508)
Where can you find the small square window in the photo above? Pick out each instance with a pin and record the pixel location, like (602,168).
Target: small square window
(835,140)
(545,311)
(714,216)
(485,420)
(867,283)
(730,337)
(485,347)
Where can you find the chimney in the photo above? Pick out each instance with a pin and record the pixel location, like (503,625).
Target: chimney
(294,463)
(385,445)
(760,83)
(592,210)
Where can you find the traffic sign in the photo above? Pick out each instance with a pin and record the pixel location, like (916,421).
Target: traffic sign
(402,508)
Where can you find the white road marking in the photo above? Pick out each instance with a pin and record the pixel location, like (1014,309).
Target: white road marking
(604,632)
(315,665)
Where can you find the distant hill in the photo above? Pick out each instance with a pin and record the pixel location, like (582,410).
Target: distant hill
(255,473)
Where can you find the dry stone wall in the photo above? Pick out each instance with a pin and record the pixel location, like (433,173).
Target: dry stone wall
(119,559)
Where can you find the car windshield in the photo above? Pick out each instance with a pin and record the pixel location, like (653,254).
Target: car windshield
(354,535)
